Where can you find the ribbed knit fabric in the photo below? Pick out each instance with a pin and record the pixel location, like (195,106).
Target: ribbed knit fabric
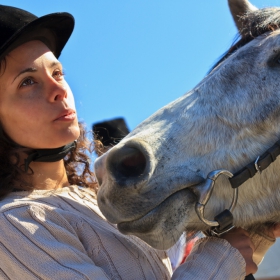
(62,235)
(213,259)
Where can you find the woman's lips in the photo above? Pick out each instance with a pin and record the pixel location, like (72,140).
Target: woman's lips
(66,116)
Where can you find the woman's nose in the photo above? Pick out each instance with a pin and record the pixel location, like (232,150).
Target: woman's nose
(57,91)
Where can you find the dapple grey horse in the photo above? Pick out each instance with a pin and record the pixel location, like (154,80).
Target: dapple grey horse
(158,181)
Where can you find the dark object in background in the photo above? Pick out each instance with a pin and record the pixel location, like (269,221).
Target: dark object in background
(109,133)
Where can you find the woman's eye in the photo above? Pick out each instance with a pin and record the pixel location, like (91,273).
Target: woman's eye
(27,82)
(57,74)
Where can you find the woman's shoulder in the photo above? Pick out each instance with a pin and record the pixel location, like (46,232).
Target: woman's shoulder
(72,207)
(71,198)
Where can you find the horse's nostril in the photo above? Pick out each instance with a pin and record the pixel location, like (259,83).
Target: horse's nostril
(128,162)
(133,164)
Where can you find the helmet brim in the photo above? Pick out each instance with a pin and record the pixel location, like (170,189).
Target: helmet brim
(53,30)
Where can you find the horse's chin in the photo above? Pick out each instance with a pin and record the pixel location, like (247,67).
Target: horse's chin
(164,224)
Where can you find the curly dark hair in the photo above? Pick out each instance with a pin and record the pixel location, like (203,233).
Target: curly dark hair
(77,164)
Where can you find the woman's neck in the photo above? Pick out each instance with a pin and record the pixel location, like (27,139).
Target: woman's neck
(48,175)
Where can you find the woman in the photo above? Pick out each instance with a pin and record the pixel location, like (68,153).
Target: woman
(50,224)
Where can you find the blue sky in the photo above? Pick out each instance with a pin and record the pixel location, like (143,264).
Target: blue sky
(128,58)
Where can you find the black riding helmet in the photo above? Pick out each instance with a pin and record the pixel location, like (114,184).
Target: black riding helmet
(18,26)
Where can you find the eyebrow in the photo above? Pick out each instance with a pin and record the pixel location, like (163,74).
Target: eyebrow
(55,63)
(30,69)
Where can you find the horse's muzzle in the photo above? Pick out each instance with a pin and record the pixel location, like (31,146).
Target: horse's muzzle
(126,164)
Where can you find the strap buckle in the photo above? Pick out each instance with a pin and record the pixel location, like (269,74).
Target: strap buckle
(257,166)
(225,221)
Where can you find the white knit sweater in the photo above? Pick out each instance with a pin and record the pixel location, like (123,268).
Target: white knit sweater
(62,235)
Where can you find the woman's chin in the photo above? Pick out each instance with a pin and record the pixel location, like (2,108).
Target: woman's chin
(56,143)
(65,138)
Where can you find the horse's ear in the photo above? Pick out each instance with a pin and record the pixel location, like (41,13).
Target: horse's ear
(239,8)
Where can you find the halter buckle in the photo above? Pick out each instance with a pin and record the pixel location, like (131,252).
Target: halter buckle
(257,166)
(225,221)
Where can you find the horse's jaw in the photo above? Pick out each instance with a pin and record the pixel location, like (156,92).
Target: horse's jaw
(160,228)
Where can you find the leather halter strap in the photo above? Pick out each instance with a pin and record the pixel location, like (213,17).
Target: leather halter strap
(261,163)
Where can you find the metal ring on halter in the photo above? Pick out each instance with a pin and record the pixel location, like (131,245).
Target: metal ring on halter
(204,191)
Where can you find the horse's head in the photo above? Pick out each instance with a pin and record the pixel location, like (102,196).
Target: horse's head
(147,182)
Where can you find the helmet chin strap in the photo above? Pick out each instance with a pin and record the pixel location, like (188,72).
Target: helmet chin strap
(49,155)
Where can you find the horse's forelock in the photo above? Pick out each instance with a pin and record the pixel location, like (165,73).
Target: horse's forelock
(255,23)
(259,22)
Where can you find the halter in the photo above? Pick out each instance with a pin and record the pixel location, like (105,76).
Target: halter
(223,222)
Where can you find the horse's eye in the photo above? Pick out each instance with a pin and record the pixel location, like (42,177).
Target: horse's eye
(274,61)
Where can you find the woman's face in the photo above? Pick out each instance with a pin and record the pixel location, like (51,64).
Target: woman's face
(37,108)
